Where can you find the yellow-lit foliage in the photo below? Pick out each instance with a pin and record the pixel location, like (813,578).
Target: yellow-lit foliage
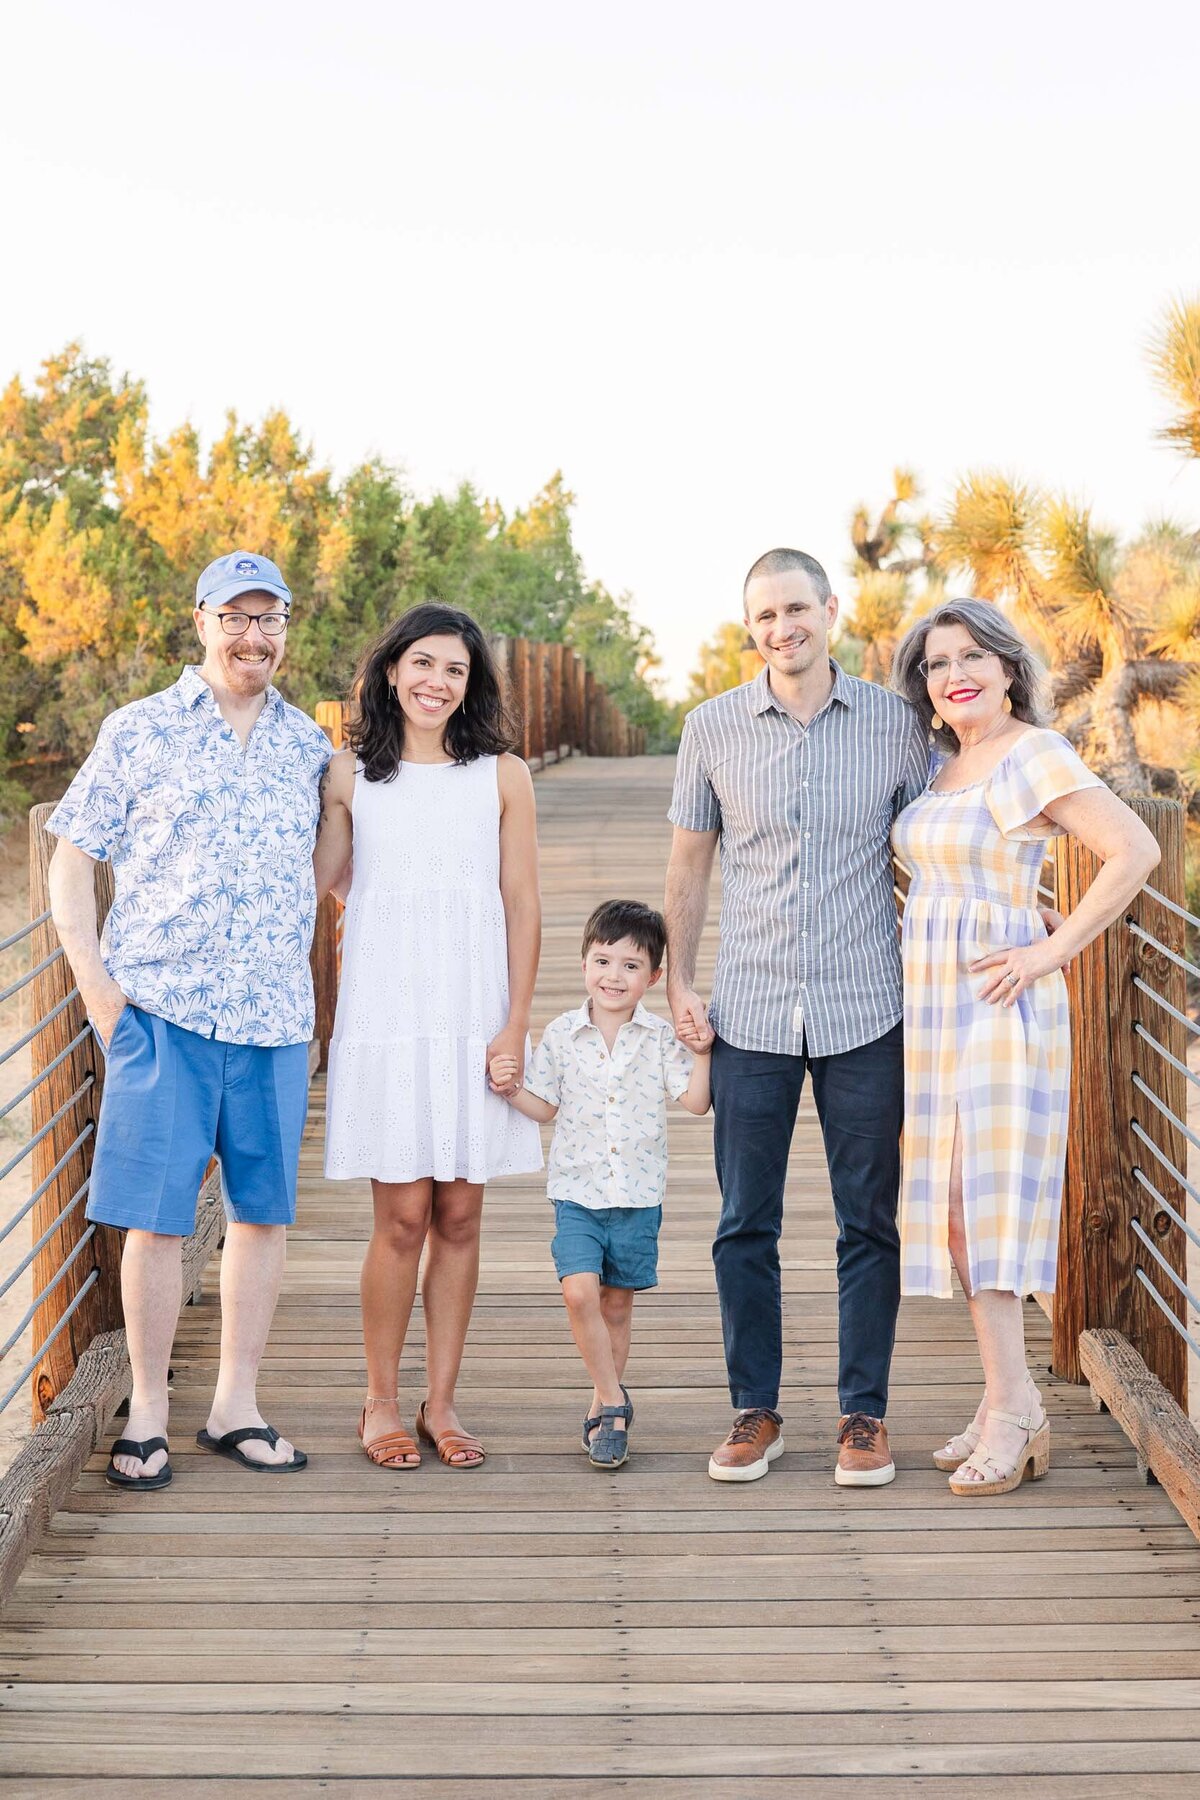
(68,606)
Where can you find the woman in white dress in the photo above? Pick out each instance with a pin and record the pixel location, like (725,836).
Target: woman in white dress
(439,955)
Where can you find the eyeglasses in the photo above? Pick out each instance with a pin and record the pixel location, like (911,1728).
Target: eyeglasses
(969,663)
(270,624)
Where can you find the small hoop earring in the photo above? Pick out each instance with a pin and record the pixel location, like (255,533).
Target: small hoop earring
(937,724)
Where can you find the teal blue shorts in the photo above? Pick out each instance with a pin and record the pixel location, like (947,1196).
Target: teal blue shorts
(172,1099)
(617,1243)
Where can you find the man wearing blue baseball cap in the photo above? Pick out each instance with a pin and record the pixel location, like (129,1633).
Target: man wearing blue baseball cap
(205,799)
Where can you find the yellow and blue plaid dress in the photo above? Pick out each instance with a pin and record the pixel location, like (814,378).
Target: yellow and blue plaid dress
(975,855)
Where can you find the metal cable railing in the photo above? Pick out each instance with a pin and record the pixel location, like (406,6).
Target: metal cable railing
(1159,1085)
(60,1263)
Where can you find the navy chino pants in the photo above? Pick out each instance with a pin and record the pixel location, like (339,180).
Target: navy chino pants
(859,1097)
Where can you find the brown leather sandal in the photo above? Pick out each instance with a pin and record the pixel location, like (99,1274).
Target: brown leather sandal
(392,1449)
(451,1444)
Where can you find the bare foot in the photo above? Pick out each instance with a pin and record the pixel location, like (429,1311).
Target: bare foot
(144,1422)
(383,1418)
(963,1442)
(1003,1443)
(441,1418)
(253,1449)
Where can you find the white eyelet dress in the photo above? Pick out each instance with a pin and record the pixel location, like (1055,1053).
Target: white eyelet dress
(424,986)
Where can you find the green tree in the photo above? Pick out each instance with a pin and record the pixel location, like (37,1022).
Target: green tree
(103,532)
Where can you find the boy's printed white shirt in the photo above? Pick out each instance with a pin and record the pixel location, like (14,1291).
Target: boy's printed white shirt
(211,849)
(610,1136)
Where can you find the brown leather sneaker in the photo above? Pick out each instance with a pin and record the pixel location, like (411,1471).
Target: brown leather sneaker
(751,1447)
(864,1459)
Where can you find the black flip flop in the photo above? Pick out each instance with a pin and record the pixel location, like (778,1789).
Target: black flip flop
(267,1434)
(143,1452)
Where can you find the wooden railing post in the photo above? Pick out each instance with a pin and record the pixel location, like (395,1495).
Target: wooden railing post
(520,693)
(100,1310)
(537,701)
(570,698)
(579,702)
(1099,1252)
(558,700)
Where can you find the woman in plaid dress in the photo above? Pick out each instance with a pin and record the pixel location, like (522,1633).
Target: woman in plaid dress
(986,1030)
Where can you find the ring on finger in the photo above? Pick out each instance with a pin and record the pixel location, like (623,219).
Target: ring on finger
(1012,978)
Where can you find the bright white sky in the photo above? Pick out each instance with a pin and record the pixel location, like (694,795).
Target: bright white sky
(725,269)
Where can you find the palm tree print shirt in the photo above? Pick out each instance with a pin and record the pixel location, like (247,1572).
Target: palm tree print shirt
(211,847)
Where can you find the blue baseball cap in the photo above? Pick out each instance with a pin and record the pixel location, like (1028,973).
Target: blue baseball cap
(240,573)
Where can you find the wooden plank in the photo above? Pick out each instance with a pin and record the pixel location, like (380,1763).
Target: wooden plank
(539,1629)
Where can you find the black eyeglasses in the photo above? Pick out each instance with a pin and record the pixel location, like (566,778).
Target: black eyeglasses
(270,624)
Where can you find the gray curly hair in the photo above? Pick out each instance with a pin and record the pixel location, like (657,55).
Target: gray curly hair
(991,631)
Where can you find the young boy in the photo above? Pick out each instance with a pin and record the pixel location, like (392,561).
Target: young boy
(605,1070)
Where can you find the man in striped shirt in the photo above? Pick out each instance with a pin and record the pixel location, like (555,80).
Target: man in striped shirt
(797,776)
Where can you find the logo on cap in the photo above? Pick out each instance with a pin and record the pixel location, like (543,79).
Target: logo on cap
(245,565)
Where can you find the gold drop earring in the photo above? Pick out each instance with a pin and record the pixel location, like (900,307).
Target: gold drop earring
(937,723)
(1007,701)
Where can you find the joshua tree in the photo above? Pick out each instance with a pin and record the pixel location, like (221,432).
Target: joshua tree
(1175,361)
(1118,626)
(887,557)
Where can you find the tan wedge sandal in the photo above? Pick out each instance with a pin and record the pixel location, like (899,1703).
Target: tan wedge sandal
(1034,1456)
(954,1454)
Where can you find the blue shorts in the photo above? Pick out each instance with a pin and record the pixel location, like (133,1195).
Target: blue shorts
(617,1243)
(172,1099)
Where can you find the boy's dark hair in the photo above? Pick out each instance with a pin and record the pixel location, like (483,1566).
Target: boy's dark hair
(617,919)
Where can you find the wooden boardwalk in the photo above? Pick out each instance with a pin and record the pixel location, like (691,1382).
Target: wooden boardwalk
(539,1629)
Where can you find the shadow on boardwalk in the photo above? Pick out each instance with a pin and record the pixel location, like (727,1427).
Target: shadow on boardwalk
(538,1629)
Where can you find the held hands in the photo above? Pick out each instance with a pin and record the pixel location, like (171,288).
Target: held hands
(506,1061)
(1010,972)
(691,1022)
(504,1076)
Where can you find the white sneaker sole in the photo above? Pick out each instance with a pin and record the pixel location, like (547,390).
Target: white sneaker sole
(865,1477)
(752,1471)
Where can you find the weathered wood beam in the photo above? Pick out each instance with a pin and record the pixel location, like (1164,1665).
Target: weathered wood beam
(1166,1441)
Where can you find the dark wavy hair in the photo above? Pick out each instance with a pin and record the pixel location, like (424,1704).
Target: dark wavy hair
(479,727)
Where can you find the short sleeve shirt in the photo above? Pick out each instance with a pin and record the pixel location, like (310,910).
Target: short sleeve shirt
(211,848)
(610,1136)
(809,955)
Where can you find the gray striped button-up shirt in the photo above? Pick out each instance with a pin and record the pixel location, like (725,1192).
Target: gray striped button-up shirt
(809,954)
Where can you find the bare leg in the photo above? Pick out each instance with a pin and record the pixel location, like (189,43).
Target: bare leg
(388,1287)
(616,1307)
(151,1292)
(1000,1331)
(251,1271)
(590,1329)
(448,1295)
